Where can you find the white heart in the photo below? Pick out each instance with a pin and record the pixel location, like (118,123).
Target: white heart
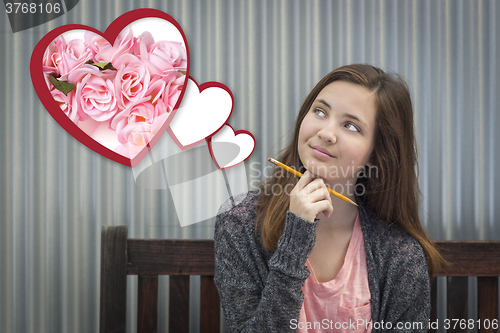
(229,158)
(203,111)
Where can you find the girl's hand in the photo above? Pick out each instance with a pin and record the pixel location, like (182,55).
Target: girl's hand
(309,197)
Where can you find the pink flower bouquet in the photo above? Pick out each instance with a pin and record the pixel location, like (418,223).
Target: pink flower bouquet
(131,86)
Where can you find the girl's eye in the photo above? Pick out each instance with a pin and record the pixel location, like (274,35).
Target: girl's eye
(352,127)
(319,112)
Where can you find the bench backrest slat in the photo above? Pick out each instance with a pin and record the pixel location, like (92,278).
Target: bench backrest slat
(147,310)
(487,304)
(209,314)
(179,304)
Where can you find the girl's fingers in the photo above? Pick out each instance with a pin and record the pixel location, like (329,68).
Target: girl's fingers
(323,195)
(323,206)
(319,194)
(309,197)
(314,185)
(306,178)
(327,212)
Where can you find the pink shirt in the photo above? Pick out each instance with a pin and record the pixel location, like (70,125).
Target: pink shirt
(342,304)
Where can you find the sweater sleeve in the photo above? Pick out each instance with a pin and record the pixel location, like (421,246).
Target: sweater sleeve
(257,296)
(407,295)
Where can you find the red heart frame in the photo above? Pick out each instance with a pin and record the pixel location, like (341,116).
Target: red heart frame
(110,35)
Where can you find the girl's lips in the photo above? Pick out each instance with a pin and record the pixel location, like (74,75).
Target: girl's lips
(320,154)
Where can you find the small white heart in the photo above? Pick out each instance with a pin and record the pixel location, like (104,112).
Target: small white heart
(224,139)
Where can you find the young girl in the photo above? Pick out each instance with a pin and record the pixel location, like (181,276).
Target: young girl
(292,257)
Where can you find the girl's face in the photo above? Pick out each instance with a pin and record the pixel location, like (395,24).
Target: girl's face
(341,123)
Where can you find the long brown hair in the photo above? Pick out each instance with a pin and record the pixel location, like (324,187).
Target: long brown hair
(394,194)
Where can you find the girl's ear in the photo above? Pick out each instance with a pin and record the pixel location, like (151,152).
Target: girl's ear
(370,162)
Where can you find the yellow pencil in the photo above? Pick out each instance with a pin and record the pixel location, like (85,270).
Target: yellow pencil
(298,174)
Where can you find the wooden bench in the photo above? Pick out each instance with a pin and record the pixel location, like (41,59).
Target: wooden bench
(149,258)
(469,258)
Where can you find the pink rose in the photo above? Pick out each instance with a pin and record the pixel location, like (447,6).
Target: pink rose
(171,95)
(124,44)
(163,57)
(173,53)
(132,80)
(157,86)
(53,56)
(137,135)
(143,44)
(95,92)
(47,81)
(75,55)
(67,103)
(143,111)
(95,42)
(154,69)
(166,88)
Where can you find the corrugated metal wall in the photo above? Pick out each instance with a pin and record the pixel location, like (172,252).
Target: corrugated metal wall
(56,193)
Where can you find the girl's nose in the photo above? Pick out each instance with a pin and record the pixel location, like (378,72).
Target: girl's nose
(327,134)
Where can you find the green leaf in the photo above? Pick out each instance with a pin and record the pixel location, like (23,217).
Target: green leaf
(182,72)
(63,86)
(100,64)
(109,66)
(104,65)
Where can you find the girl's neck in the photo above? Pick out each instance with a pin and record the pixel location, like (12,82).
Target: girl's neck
(342,218)
(346,187)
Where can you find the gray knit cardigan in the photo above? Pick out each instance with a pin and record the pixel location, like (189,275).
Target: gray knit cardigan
(261,291)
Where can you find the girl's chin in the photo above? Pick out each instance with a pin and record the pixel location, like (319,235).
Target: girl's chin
(322,171)
(322,175)
(330,179)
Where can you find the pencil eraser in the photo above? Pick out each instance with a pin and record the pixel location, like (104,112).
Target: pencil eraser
(269,159)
